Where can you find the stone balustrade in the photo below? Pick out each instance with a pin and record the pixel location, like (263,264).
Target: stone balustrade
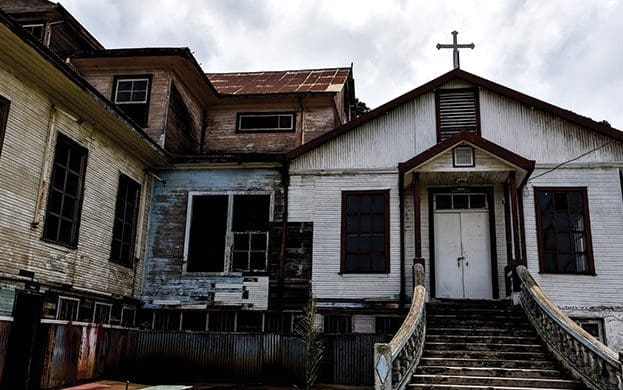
(395,362)
(595,364)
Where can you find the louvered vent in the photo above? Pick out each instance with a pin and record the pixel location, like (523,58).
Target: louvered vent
(457,110)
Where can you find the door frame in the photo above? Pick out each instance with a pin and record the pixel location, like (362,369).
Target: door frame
(488,191)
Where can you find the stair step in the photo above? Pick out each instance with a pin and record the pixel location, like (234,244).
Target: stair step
(472,303)
(480,323)
(495,381)
(488,371)
(491,339)
(490,330)
(475,346)
(501,363)
(516,319)
(495,355)
(427,386)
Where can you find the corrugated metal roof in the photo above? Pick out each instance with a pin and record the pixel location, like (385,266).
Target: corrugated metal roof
(11,6)
(285,81)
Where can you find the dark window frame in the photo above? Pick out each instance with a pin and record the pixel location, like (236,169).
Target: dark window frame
(129,262)
(266,113)
(28,26)
(587,229)
(386,233)
(143,122)
(74,316)
(337,321)
(439,91)
(5,106)
(75,231)
(95,320)
(454,163)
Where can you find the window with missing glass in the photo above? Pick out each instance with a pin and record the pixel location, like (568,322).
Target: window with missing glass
(102,313)
(124,227)
(265,121)
(365,232)
(36,29)
(131,94)
(67,309)
(62,218)
(563,230)
(337,323)
(228,232)
(5,104)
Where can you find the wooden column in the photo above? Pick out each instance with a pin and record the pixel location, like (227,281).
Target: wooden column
(512,184)
(417,215)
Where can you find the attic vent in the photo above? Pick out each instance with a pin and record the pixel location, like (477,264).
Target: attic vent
(457,109)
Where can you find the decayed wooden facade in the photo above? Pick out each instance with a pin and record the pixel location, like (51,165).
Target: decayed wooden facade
(396,149)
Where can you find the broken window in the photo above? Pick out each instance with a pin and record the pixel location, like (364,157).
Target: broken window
(36,29)
(101,313)
(166,320)
(593,326)
(259,121)
(334,323)
(131,94)
(4,116)
(228,233)
(365,231)
(128,316)
(65,194)
(563,232)
(124,228)
(67,309)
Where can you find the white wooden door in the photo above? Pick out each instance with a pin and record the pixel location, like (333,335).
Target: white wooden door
(462,254)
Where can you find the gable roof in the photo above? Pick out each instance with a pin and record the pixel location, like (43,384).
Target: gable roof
(459,74)
(330,80)
(469,137)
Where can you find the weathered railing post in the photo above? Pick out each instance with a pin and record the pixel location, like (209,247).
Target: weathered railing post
(395,362)
(595,364)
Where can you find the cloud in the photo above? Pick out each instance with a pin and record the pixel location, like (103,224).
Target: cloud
(566,52)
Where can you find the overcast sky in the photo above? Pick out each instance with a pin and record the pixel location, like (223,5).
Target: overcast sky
(566,52)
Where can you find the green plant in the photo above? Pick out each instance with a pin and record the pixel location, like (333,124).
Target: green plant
(314,346)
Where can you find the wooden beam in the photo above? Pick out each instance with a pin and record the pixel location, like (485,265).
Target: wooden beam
(512,183)
(417,215)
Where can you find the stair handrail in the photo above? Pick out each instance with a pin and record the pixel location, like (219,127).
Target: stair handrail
(395,362)
(598,366)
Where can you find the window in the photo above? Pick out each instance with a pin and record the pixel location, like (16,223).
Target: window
(249,321)
(563,230)
(463,156)
(36,29)
(387,325)
(365,231)
(194,320)
(131,94)
(457,109)
(124,228)
(337,324)
(224,321)
(128,316)
(62,218)
(4,116)
(67,309)
(265,121)
(460,201)
(101,313)
(594,327)
(228,233)
(166,320)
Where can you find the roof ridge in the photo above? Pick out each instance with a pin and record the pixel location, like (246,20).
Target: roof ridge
(282,71)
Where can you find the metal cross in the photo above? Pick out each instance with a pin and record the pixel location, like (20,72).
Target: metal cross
(455,46)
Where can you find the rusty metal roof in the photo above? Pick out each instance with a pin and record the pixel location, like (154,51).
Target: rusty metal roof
(281,82)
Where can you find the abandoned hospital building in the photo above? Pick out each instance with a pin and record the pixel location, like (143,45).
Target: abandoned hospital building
(138,191)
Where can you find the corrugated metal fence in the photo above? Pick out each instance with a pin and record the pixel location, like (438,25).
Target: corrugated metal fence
(74,353)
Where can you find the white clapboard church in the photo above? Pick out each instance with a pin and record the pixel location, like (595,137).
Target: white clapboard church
(492,191)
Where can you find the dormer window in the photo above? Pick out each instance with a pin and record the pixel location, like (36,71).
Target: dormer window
(265,121)
(131,94)
(457,109)
(35,29)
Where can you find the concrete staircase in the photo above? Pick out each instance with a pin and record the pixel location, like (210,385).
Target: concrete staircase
(473,344)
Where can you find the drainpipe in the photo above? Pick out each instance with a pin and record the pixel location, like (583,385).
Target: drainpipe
(45,169)
(401,207)
(302,120)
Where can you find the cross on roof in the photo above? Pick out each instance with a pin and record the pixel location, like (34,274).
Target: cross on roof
(455,46)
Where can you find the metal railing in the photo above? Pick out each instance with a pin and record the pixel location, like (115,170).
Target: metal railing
(595,364)
(395,362)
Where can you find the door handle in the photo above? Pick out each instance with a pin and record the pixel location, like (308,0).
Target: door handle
(458,260)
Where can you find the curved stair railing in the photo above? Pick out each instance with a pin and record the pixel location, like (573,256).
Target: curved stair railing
(598,366)
(395,362)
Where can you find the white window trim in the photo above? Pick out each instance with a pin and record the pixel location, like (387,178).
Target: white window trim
(132,79)
(278,115)
(58,306)
(596,321)
(102,304)
(125,308)
(455,162)
(229,237)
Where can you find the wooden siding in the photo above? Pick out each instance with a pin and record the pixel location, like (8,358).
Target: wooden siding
(317,117)
(20,172)
(164,280)
(181,140)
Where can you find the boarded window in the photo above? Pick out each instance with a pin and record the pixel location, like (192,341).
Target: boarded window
(266,121)
(67,309)
(124,228)
(457,109)
(4,116)
(131,94)
(337,324)
(65,194)
(365,232)
(101,313)
(217,230)
(563,230)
